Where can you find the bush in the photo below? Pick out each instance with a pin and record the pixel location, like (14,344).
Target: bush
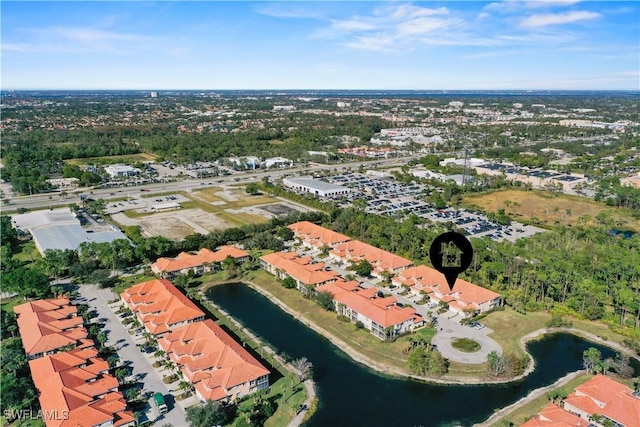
(465,344)
(359,325)
(558,322)
(343,318)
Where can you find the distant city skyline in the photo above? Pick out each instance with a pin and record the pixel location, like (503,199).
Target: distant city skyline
(209,45)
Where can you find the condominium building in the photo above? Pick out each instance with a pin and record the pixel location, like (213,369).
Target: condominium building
(218,367)
(303,270)
(205,260)
(316,236)
(48,326)
(381,260)
(160,306)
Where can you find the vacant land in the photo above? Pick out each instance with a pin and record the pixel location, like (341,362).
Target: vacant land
(549,209)
(126,158)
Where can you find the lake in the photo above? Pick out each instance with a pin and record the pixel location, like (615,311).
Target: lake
(353,395)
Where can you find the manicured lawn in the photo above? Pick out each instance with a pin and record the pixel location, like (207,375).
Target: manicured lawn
(361,340)
(465,344)
(522,414)
(509,326)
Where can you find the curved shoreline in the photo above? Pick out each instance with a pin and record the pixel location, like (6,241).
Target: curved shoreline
(395,371)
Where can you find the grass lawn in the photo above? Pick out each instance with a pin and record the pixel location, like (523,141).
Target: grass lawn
(522,414)
(361,340)
(508,326)
(550,209)
(128,281)
(8,304)
(28,253)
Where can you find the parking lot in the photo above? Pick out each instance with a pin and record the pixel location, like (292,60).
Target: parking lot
(391,198)
(149,378)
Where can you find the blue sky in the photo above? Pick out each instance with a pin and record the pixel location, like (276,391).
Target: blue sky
(514,44)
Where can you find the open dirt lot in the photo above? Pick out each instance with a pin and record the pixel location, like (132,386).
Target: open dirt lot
(548,208)
(176,224)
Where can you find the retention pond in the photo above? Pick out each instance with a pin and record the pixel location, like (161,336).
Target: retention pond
(352,395)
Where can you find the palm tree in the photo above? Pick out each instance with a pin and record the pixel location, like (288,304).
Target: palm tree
(184,386)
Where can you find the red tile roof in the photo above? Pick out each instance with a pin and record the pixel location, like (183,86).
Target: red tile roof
(316,235)
(209,358)
(428,279)
(356,250)
(382,310)
(603,396)
(159,305)
(554,416)
(300,268)
(47,325)
(187,260)
(88,393)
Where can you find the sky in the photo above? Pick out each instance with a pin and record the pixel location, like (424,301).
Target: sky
(446,45)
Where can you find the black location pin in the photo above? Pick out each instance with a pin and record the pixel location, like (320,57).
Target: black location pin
(451,254)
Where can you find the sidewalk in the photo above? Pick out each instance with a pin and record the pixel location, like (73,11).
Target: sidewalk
(311,395)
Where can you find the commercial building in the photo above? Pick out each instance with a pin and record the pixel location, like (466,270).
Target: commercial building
(316,236)
(218,367)
(160,306)
(465,298)
(61,229)
(121,171)
(76,389)
(205,260)
(315,187)
(381,315)
(48,326)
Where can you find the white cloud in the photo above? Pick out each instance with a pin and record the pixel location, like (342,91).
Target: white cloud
(543,20)
(394,27)
(511,6)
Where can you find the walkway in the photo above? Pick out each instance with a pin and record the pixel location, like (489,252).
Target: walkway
(311,395)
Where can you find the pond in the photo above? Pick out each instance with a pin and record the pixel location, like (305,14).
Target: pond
(353,395)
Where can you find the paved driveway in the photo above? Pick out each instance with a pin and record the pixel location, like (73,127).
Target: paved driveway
(119,337)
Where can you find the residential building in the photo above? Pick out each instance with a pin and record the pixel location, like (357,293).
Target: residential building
(303,270)
(76,389)
(554,416)
(315,187)
(356,251)
(205,260)
(316,236)
(465,298)
(381,315)
(609,399)
(48,326)
(160,306)
(218,366)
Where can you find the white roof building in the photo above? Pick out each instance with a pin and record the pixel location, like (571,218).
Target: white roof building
(315,187)
(119,170)
(277,162)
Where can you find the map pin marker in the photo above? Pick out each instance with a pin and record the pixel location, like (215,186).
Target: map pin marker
(451,254)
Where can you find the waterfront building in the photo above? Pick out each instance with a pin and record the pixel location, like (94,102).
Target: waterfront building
(381,260)
(379,314)
(205,260)
(554,416)
(303,270)
(218,367)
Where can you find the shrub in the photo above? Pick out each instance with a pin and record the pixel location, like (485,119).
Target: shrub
(343,318)
(359,325)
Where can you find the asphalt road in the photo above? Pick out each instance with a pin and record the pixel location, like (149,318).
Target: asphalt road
(44,201)
(118,336)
